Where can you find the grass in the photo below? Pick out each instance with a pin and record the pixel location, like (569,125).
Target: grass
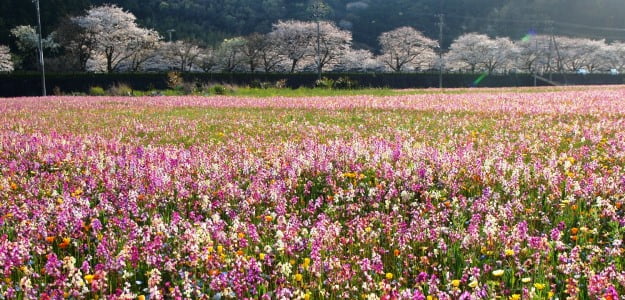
(375,92)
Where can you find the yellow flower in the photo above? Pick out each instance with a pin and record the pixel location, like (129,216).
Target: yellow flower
(473,284)
(498,273)
(298,277)
(220,249)
(539,286)
(509,252)
(367,229)
(306,263)
(261,256)
(389,276)
(455,283)
(526,279)
(307,296)
(89,278)
(350,175)
(515,297)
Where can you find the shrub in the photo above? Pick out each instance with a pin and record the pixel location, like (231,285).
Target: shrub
(57,91)
(96,91)
(345,83)
(257,84)
(120,89)
(219,89)
(281,84)
(188,88)
(324,83)
(174,80)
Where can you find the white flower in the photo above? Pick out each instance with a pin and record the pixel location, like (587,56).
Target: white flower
(285,268)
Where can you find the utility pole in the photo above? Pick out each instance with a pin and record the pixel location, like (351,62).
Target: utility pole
(552,45)
(441,25)
(41,62)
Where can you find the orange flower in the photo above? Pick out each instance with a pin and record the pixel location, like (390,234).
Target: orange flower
(50,239)
(574,230)
(396,252)
(268,218)
(65,243)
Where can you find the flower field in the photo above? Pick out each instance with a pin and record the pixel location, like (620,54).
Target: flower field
(482,195)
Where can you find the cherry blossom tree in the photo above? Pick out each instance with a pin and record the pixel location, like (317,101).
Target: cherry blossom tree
(612,56)
(116,35)
(207,60)
(478,52)
(577,53)
(293,40)
(333,43)
(500,55)
(535,54)
(270,57)
(357,60)
(468,51)
(181,55)
(406,47)
(6,65)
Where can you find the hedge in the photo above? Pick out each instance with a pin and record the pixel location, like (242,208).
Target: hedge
(29,84)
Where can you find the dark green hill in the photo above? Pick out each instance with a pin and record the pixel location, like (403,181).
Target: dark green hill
(209,21)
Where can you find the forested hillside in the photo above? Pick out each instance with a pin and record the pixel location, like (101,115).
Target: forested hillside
(209,21)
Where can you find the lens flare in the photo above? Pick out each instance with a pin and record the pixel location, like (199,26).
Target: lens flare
(530,34)
(479,79)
